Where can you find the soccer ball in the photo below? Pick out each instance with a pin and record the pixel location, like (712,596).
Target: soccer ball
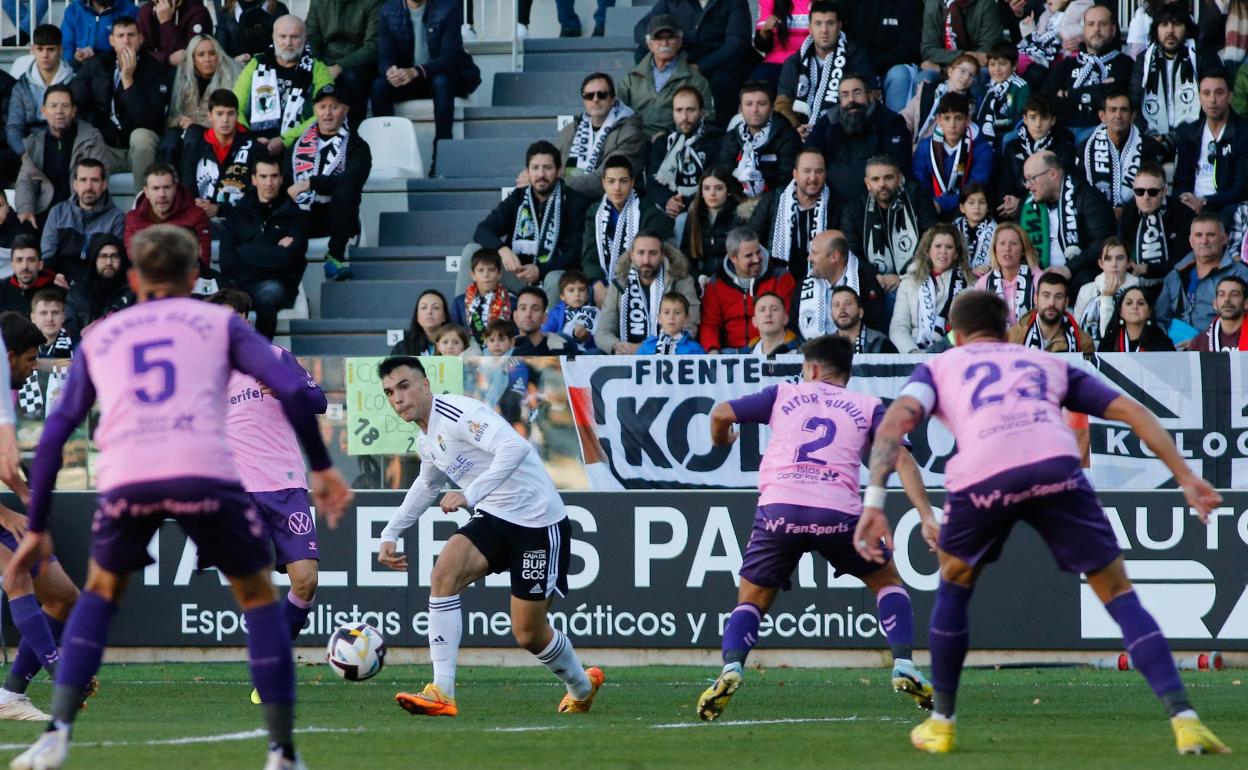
(356,652)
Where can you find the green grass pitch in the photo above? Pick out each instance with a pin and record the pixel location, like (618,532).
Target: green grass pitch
(191,716)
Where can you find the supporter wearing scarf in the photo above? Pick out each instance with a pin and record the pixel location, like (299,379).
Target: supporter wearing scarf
(639,305)
(956,38)
(998,109)
(819,80)
(1092,68)
(1171,93)
(747,171)
(538,236)
(279,94)
(936,295)
(485,308)
(587,141)
(1035,222)
(814,303)
(613,241)
(682,164)
(1033,335)
(891,234)
(978,240)
(806,190)
(1151,247)
(1051,326)
(959,160)
(1229,303)
(1111,169)
(315,154)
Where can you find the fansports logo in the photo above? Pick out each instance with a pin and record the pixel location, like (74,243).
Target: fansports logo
(299,523)
(477,429)
(772,525)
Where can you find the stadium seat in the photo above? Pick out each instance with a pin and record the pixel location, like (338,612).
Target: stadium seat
(20,65)
(393,142)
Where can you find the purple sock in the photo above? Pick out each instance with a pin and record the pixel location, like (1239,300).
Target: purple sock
(741,633)
(897,620)
(950,637)
(85,636)
(1149,650)
(26,665)
(30,620)
(297,612)
(273,671)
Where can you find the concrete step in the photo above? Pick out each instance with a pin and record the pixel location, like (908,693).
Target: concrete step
(562,89)
(329,327)
(376,299)
(425,271)
(429,228)
(373,344)
(480,158)
(474,200)
(435,253)
(609,60)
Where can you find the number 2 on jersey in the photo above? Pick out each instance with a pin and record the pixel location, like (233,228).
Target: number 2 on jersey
(989,374)
(825,431)
(146,360)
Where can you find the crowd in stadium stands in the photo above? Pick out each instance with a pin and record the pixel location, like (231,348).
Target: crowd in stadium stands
(826,169)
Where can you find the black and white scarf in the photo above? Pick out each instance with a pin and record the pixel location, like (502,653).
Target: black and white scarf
(786,222)
(277,100)
(1110,170)
(1151,245)
(682,164)
(611,246)
(224,182)
(666,344)
(1070,330)
(747,171)
(1041,47)
(1031,147)
(929,120)
(1091,68)
(958,168)
(1024,286)
(819,80)
(1100,309)
(813,304)
(639,308)
(978,240)
(997,104)
(309,158)
(932,320)
(585,315)
(587,143)
(1170,103)
(538,237)
(891,235)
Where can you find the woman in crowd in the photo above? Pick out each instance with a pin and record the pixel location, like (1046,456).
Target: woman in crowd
(920,112)
(1131,329)
(431,313)
(1095,303)
(1015,269)
(710,217)
(939,273)
(205,68)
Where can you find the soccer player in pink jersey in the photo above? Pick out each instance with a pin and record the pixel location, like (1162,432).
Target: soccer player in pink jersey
(820,434)
(267,454)
(159,370)
(1018,461)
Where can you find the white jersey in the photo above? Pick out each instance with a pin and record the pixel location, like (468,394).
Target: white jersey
(498,471)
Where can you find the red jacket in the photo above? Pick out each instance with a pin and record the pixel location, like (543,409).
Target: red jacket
(728,309)
(185,214)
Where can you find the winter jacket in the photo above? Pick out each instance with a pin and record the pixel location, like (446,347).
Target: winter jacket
(980,171)
(706,147)
(762,220)
(184,214)
(353,176)
(82,27)
(242,89)
(983,28)
(1152,340)
(25,101)
(557,320)
(874,307)
(776,159)
(1083,340)
(886,30)
(344,32)
(1177,223)
(854,215)
(70,229)
(1199,313)
(252,31)
(685,346)
(876,342)
(160,41)
(856,62)
(717,35)
(1077,109)
(728,304)
(1096,222)
(142,105)
(233,175)
(1008,169)
(396,41)
(91,299)
(1230,172)
(636,89)
(627,138)
(903,329)
(249,241)
(496,229)
(14,297)
(651,219)
(34,192)
(714,237)
(677,278)
(846,156)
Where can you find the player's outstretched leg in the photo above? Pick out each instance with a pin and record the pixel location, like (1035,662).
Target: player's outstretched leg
(446,629)
(553,648)
(897,619)
(740,636)
(1151,655)
(950,638)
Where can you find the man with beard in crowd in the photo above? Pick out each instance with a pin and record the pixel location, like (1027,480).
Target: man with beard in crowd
(1154,230)
(1050,326)
(810,80)
(105,289)
(832,264)
(1064,218)
(1226,331)
(763,147)
(276,87)
(29,276)
(1114,150)
(885,222)
(787,219)
(858,128)
(1080,82)
(847,316)
(676,161)
(74,224)
(1164,84)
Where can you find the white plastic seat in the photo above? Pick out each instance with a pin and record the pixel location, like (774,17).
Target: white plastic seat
(20,65)
(394,139)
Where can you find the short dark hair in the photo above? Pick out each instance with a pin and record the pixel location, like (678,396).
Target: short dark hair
(91,163)
(690,90)
(1216,72)
(46,34)
(1114,93)
(164,253)
(975,311)
(19,333)
(675,296)
(1053,278)
(268,160)
(536,291)
(826,6)
(618,161)
(390,363)
(1041,105)
(881,160)
(237,299)
(842,289)
(809,150)
(160,169)
(832,351)
(591,77)
(59,88)
(954,102)
(571,278)
(1005,51)
(777,296)
(486,257)
(543,147)
(1152,168)
(26,241)
(757,86)
(55,294)
(125,21)
(222,97)
(499,327)
(1243,285)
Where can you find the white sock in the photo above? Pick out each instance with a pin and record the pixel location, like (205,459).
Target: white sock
(561,659)
(446,629)
(8,696)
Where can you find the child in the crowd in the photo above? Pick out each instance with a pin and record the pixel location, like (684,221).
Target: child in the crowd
(1039,132)
(486,299)
(1094,307)
(672,338)
(772,321)
(1059,29)
(953,157)
(507,379)
(976,226)
(574,316)
(451,340)
(1007,94)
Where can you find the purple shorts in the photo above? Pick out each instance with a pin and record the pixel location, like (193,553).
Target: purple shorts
(784,533)
(1053,496)
(8,541)
(216,515)
(290,524)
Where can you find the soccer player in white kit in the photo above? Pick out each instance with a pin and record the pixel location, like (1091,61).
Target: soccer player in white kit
(519,525)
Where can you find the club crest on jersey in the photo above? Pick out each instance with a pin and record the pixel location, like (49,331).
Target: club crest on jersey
(477,429)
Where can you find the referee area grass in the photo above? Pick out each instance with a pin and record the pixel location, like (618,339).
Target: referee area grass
(198,716)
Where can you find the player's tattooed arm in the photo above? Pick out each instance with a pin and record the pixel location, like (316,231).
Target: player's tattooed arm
(723,417)
(902,417)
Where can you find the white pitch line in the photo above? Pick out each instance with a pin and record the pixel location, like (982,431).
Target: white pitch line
(533,729)
(244,735)
(757,722)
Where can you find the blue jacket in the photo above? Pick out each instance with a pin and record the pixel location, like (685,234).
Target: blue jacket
(557,318)
(82,28)
(980,170)
(396,40)
(685,346)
